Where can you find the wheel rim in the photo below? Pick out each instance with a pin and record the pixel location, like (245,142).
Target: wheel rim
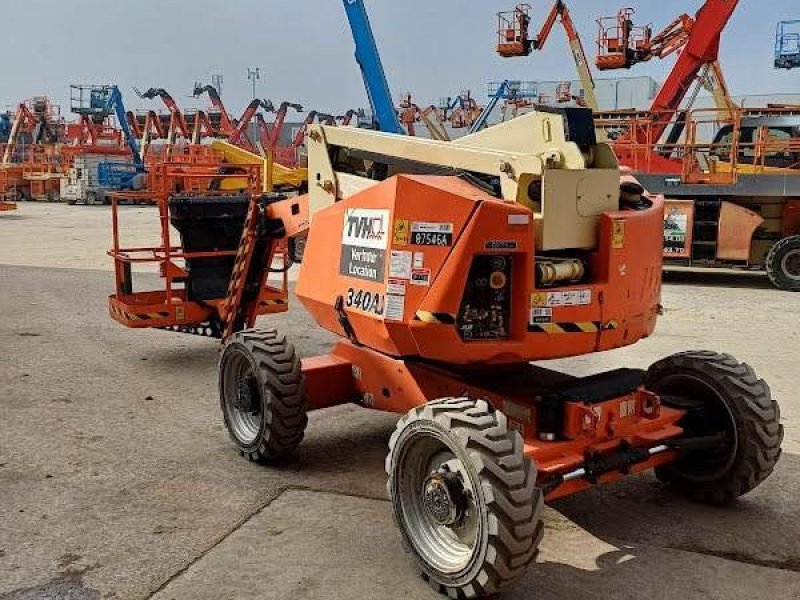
(242,397)
(438,506)
(790,264)
(707,414)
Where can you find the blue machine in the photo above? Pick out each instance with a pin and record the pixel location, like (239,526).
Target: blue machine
(116,175)
(100,101)
(5,126)
(369,59)
(501,92)
(787,45)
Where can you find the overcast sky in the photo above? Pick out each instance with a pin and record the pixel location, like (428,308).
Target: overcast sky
(305,52)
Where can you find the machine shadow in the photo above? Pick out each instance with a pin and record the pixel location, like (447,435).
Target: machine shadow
(718,278)
(760,528)
(351,441)
(611,538)
(13,216)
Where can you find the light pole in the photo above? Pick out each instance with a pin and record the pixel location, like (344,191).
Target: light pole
(254,74)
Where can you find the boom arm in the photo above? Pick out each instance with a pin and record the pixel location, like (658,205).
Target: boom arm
(24,117)
(277,125)
(172,106)
(300,136)
(216,102)
(369,59)
(114,102)
(244,122)
(702,48)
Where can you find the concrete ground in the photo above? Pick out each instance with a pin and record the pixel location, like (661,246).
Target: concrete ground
(117,479)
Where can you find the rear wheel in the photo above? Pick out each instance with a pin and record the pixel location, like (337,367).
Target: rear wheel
(783,264)
(464,496)
(723,398)
(261,391)
(91,198)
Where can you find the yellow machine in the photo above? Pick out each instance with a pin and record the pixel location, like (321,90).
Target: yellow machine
(274,175)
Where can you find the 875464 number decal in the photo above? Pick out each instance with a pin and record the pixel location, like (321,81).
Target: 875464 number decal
(372,303)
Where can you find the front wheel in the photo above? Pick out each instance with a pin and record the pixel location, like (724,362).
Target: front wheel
(722,399)
(464,496)
(783,264)
(261,390)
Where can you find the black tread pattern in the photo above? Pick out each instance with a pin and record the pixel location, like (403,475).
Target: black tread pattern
(283,388)
(757,418)
(778,278)
(508,480)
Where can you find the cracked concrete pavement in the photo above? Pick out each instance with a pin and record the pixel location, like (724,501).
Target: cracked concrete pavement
(117,479)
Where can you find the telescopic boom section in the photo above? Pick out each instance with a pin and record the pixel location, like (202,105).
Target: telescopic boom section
(369,59)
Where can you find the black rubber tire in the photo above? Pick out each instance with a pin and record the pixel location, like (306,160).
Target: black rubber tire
(775,264)
(281,387)
(753,421)
(510,501)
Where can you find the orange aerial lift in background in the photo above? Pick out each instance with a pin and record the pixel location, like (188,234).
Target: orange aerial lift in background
(219,118)
(622,45)
(411,114)
(270,134)
(30,163)
(514,40)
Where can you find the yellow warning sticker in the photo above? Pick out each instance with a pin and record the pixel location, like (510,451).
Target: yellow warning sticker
(539,299)
(618,234)
(401,232)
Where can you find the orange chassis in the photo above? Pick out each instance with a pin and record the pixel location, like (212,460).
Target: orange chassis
(608,425)
(634,420)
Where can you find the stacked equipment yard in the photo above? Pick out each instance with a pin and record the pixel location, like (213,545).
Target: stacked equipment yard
(30,161)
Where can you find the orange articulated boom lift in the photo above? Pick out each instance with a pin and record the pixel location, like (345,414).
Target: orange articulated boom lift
(514,40)
(220,119)
(446,268)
